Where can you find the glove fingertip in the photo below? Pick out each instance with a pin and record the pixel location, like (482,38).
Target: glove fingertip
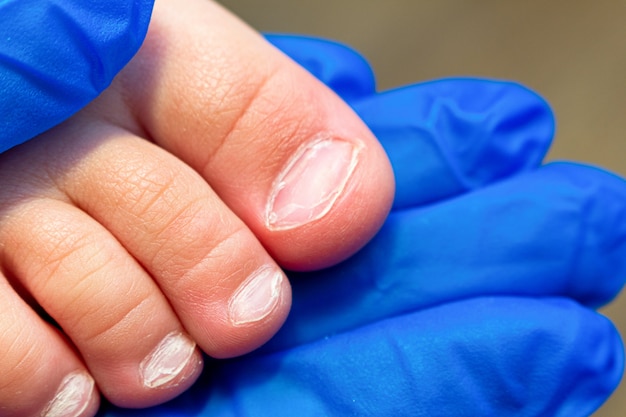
(594,365)
(599,258)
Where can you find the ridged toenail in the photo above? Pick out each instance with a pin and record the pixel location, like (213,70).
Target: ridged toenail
(311,182)
(256,297)
(167,360)
(73,396)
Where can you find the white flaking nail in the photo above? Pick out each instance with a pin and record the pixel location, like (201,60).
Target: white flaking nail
(311,183)
(256,297)
(73,396)
(167,360)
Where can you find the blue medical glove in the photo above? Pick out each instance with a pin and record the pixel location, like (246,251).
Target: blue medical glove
(57,55)
(471,299)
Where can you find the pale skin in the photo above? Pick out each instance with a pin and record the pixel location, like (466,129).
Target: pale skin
(153,224)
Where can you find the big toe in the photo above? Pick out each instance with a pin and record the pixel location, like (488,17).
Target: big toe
(286,155)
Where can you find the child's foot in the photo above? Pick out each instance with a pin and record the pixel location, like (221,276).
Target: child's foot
(139,251)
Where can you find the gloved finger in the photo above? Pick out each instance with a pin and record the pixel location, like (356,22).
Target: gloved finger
(338,66)
(501,356)
(57,55)
(450,136)
(560,230)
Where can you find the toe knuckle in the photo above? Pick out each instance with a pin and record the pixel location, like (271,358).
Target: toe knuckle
(102,325)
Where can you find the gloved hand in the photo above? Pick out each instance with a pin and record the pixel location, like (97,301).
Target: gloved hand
(58,55)
(473,300)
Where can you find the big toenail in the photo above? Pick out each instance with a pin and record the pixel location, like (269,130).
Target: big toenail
(311,182)
(256,297)
(167,360)
(72,397)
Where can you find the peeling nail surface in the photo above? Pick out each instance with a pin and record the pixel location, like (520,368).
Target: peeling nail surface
(311,182)
(256,297)
(167,360)
(73,396)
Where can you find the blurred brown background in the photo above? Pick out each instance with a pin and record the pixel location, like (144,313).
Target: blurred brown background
(573,53)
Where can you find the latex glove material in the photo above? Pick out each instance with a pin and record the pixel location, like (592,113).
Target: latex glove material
(365,337)
(487,357)
(57,55)
(450,136)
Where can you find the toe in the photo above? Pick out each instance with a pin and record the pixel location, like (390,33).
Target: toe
(41,374)
(281,150)
(109,307)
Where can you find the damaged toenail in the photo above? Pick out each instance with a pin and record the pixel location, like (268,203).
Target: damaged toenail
(73,396)
(256,297)
(311,182)
(167,360)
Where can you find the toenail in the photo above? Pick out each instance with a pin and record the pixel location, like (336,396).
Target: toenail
(167,360)
(311,182)
(256,297)
(73,396)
